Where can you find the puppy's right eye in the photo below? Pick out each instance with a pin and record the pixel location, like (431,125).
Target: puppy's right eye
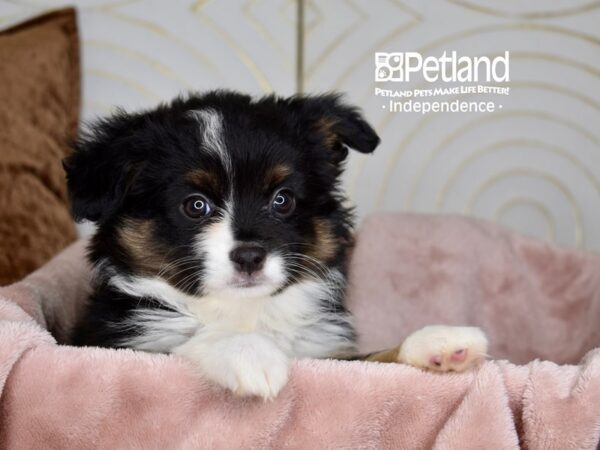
(283,202)
(196,207)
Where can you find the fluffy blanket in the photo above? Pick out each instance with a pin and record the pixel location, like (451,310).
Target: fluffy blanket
(533,300)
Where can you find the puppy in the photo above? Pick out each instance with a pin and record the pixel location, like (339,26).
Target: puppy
(223,236)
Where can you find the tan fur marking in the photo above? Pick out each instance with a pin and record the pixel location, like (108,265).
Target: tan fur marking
(135,236)
(326,245)
(384,356)
(276,176)
(203,178)
(326,126)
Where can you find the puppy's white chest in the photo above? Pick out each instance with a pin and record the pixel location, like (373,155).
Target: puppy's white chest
(297,319)
(230,315)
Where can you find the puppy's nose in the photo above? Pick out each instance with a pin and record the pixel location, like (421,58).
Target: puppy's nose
(248,258)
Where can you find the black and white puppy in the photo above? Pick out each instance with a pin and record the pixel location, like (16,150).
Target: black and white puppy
(223,236)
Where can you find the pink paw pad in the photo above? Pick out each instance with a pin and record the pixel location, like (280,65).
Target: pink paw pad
(459,355)
(435,360)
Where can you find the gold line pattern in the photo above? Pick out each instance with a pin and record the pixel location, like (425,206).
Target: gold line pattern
(502,146)
(440,147)
(361,160)
(97,107)
(534,204)
(474,124)
(166,34)
(514,55)
(312,6)
(139,88)
(511,27)
(264,32)
(416,18)
(338,40)
(256,72)
(135,55)
(390,167)
(531,15)
(532,173)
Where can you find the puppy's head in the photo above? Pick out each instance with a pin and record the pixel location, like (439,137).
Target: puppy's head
(220,193)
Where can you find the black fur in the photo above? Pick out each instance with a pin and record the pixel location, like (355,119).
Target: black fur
(135,167)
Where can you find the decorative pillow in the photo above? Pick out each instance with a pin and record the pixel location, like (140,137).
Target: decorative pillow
(39,112)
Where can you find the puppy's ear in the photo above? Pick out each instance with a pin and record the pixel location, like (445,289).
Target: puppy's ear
(101,167)
(336,124)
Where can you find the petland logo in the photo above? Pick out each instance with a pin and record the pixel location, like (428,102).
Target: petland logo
(447,68)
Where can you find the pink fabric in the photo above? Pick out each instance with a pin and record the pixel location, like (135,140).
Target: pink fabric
(534,301)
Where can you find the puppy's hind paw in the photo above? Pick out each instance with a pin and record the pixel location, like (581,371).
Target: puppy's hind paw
(444,348)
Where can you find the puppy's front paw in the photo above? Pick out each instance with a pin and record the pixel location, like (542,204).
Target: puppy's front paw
(257,369)
(247,364)
(444,348)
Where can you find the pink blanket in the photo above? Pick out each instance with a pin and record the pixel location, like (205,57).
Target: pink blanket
(534,301)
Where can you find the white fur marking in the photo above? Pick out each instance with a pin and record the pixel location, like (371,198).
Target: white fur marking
(295,318)
(212,134)
(160,330)
(214,245)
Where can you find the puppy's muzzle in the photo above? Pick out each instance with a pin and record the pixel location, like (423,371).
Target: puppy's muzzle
(248,258)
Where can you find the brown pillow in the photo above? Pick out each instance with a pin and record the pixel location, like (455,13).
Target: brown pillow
(39,112)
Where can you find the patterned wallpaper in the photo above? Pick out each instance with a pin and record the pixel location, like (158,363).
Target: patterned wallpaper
(534,165)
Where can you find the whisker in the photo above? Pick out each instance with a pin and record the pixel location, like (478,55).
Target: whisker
(175,263)
(307,259)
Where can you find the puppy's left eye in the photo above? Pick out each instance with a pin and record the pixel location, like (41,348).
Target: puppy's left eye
(196,207)
(283,203)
